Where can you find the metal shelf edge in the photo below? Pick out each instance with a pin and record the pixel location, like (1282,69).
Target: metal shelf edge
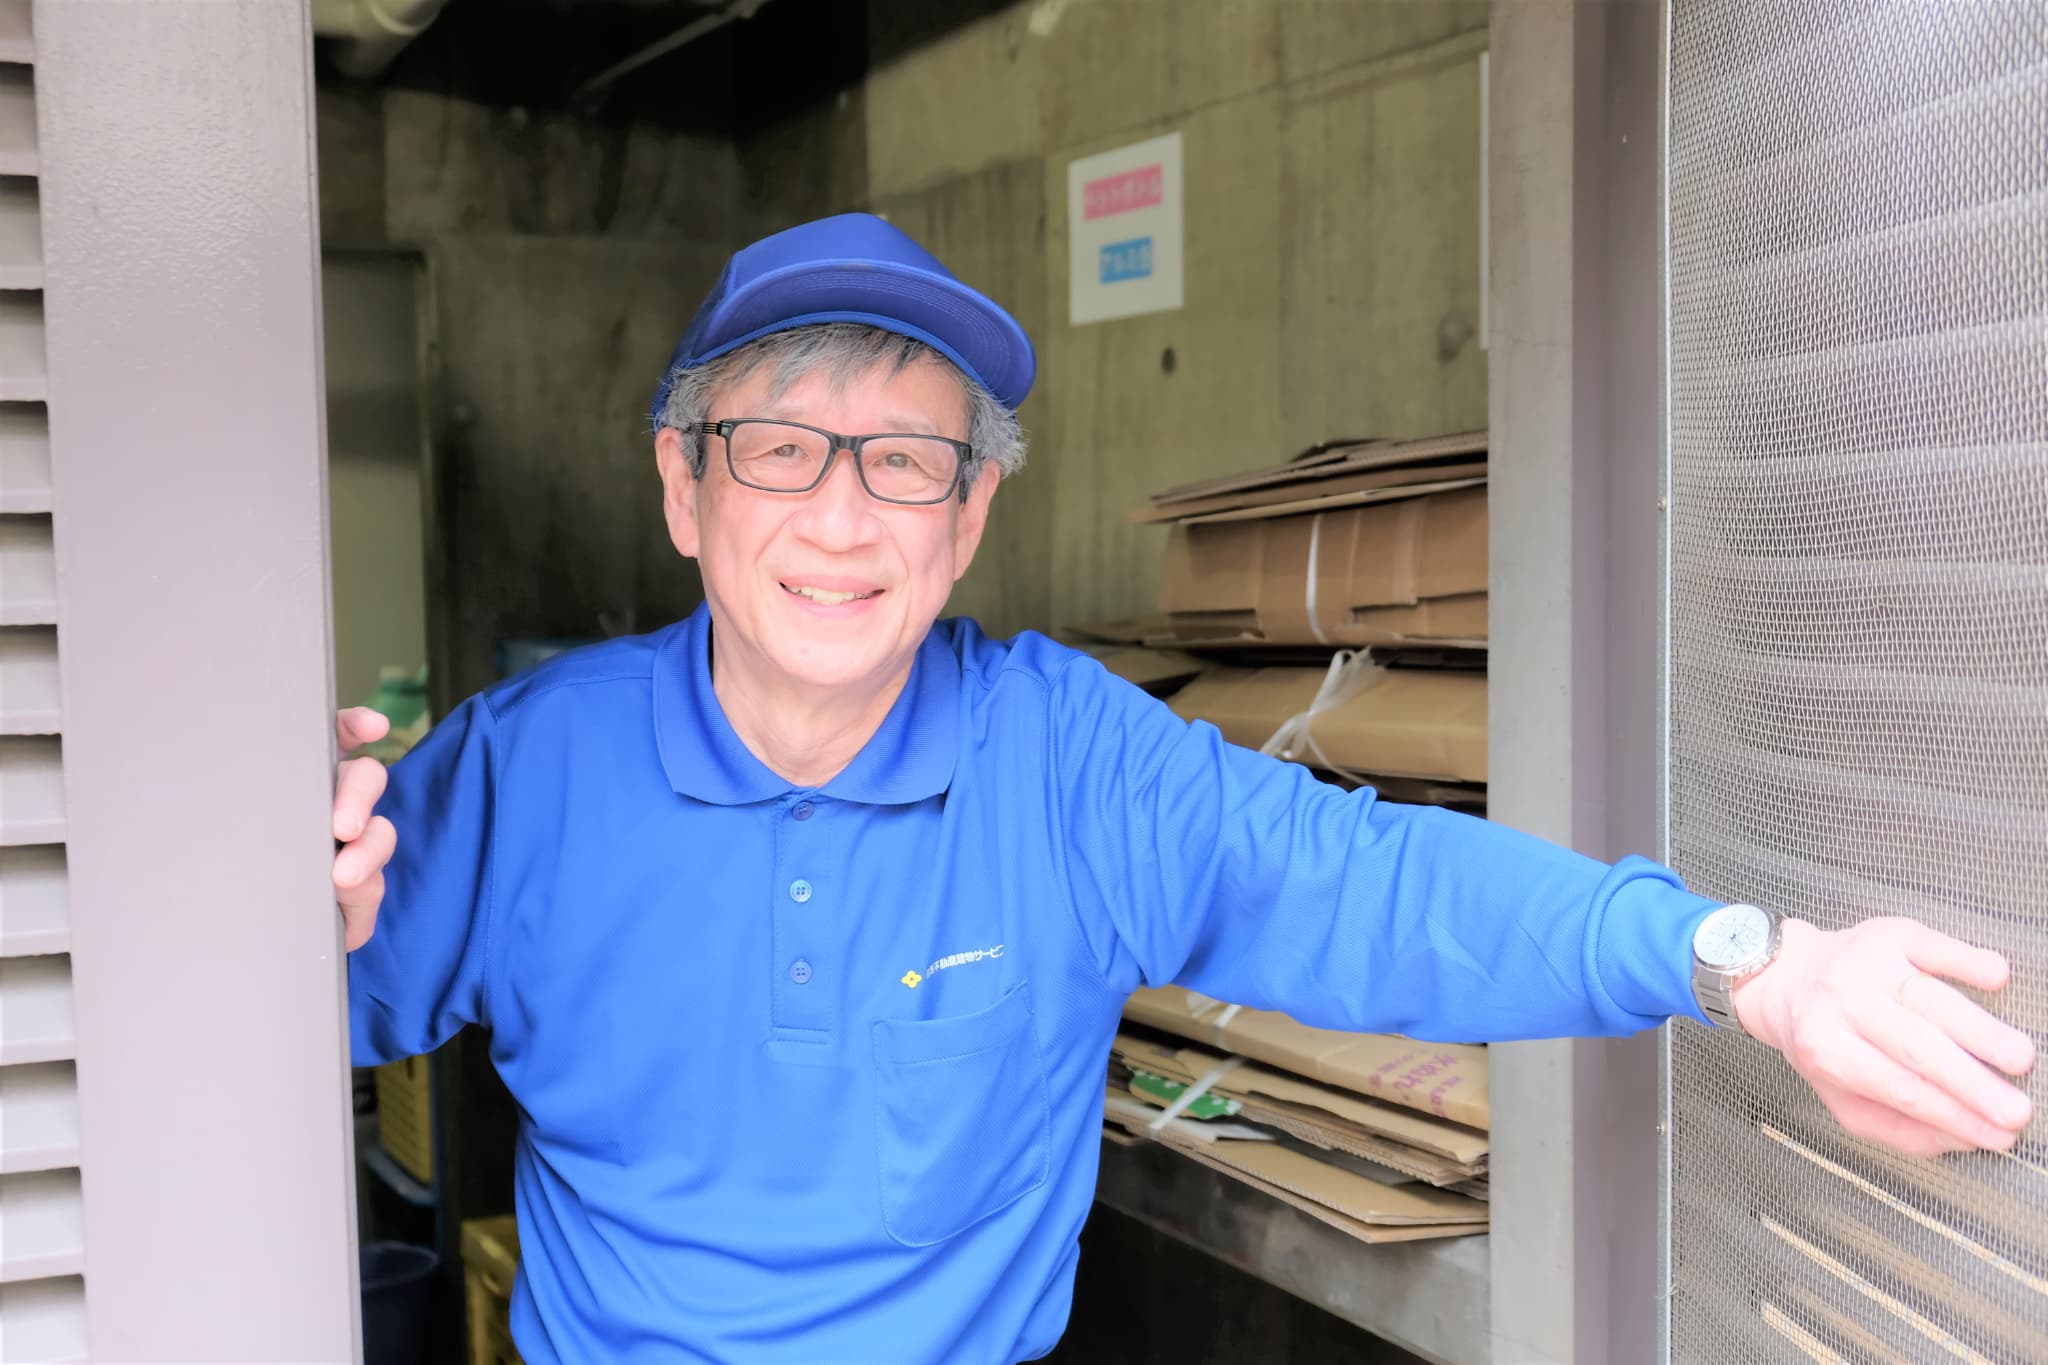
(1428,1297)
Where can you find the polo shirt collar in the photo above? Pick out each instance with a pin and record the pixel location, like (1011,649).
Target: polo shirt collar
(909,759)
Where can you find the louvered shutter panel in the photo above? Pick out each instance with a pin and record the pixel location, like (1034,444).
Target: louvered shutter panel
(42,1294)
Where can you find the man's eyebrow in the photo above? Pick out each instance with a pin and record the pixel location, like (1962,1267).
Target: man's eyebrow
(912,422)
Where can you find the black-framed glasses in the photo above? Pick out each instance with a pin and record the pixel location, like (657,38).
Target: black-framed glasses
(789,457)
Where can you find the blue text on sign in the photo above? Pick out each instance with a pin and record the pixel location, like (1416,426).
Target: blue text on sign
(1130,260)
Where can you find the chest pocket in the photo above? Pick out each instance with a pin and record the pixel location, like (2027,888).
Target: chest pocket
(962,1118)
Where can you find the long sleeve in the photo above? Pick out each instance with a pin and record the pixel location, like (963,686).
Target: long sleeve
(1197,862)
(420,978)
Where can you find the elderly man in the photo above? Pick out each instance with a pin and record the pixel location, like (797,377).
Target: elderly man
(801,928)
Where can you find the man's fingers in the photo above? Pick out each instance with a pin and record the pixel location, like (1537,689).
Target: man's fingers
(359,867)
(1870,1074)
(1872,1121)
(356,726)
(1927,1050)
(358,922)
(357,786)
(1977,1031)
(1933,951)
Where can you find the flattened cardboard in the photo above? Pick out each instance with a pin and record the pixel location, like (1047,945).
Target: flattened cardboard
(1132,630)
(1465,1146)
(1438,623)
(1331,459)
(1334,577)
(1445,1079)
(1429,1149)
(1353,1203)
(1160,672)
(1396,554)
(1336,501)
(1455,1143)
(1267,501)
(1354,1196)
(1420,723)
(1369,1233)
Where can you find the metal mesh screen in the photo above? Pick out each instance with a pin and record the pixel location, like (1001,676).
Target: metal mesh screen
(1859,666)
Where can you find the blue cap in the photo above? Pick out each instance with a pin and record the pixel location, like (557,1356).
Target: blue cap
(855,268)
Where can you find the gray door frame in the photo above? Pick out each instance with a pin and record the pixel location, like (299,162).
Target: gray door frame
(182,286)
(1578,468)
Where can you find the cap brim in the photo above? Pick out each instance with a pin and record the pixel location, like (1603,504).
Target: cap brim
(961,324)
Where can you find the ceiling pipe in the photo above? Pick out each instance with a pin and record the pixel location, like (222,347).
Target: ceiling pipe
(369,33)
(682,37)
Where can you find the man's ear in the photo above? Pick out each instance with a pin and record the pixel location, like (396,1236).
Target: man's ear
(973,518)
(679,489)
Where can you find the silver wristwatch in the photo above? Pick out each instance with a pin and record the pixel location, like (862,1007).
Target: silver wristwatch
(1730,946)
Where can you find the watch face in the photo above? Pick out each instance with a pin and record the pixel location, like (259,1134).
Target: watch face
(1732,936)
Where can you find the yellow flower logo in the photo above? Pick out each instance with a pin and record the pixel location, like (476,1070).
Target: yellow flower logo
(912,979)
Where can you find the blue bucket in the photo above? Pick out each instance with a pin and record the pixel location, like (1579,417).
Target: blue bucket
(398,1283)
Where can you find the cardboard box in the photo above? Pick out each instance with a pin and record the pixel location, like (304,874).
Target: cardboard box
(1409,570)
(1419,723)
(1448,1080)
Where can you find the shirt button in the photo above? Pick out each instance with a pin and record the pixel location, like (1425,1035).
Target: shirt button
(799,890)
(800,971)
(802,810)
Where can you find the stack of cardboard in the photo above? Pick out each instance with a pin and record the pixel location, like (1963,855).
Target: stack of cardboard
(1447,1080)
(1363,543)
(1331,611)
(1373,547)
(1389,1143)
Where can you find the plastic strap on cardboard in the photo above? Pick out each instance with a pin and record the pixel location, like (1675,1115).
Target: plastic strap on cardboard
(1350,672)
(1315,549)
(1200,1005)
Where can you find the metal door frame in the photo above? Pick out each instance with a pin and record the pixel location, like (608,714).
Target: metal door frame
(1576,690)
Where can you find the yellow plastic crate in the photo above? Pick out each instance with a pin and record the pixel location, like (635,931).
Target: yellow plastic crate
(490,1260)
(405,1115)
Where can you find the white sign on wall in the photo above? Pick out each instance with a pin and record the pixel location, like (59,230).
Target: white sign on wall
(1123,231)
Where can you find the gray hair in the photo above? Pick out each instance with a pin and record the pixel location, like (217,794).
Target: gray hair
(845,351)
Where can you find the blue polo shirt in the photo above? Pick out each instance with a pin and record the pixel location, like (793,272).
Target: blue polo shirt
(815,1075)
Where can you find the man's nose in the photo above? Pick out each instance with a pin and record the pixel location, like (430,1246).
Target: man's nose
(839,511)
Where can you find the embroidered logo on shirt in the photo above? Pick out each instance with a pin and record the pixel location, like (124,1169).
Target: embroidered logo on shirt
(913,979)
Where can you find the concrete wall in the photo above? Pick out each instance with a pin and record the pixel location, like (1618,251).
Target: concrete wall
(1333,218)
(564,258)
(370,313)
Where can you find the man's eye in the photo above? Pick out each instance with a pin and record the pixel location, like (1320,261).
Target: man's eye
(786,452)
(896,459)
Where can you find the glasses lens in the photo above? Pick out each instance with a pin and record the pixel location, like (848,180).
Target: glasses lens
(776,456)
(910,468)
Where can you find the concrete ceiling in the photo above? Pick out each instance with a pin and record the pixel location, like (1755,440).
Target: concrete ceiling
(790,55)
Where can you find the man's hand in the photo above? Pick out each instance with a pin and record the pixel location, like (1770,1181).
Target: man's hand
(1897,1055)
(367,842)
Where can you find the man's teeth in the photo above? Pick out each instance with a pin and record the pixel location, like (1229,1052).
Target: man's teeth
(830,599)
